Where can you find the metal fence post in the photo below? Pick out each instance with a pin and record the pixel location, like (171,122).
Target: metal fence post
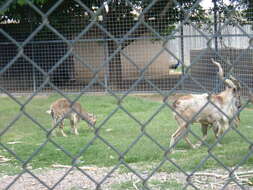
(105,46)
(182,43)
(32,56)
(215,25)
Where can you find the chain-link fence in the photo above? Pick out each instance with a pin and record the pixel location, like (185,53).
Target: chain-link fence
(125,46)
(171,46)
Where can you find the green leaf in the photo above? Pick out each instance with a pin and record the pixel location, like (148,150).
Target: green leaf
(21,2)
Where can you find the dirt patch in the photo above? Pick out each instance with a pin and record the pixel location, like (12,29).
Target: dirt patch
(71,178)
(76,179)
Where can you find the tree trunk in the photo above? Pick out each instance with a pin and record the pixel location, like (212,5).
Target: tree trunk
(115,72)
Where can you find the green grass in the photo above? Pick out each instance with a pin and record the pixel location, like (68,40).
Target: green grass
(120,130)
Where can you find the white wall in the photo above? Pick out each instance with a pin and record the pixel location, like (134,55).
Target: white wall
(232,36)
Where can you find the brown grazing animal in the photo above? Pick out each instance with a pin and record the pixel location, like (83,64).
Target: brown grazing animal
(62,109)
(196,108)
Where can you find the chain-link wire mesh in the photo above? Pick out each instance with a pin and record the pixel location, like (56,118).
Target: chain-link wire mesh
(123,47)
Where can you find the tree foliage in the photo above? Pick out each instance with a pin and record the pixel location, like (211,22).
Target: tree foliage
(161,11)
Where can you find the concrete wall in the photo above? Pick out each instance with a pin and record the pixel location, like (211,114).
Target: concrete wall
(141,53)
(91,53)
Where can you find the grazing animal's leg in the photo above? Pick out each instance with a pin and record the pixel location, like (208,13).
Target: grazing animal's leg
(236,121)
(75,121)
(53,120)
(72,124)
(204,128)
(218,130)
(61,129)
(189,142)
(53,124)
(56,118)
(180,132)
(215,131)
(174,137)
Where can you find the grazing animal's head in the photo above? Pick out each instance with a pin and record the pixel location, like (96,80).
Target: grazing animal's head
(92,118)
(231,83)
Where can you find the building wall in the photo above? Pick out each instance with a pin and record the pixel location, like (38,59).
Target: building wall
(141,53)
(92,53)
(233,37)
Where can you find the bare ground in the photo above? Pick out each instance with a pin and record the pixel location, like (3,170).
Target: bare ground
(76,180)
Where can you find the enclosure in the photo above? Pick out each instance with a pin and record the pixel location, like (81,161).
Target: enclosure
(131,63)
